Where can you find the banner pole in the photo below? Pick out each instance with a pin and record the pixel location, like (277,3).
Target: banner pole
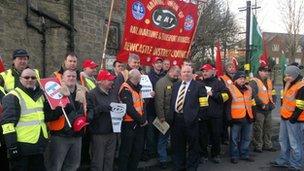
(103,61)
(66,117)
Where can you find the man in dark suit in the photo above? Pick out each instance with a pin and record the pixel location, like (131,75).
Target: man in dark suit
(188,103)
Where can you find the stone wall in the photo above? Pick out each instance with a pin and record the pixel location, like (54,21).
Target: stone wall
(89,21)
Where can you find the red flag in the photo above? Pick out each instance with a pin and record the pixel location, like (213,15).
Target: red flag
(218,60)
(2,68)
(264,56)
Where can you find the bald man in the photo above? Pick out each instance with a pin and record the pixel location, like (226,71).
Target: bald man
(132,129)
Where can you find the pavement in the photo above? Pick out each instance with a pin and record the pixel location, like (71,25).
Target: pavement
(261,163)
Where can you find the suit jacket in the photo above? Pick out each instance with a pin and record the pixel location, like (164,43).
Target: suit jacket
(192,109)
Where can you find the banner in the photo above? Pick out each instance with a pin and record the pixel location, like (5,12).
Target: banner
(162,28)
(51,88)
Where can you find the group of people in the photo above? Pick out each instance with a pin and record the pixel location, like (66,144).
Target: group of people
(199,108)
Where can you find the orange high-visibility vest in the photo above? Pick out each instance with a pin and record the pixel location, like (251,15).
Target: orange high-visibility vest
(58,75)
(264,93)
(227,80)
(289,101)
(241,103)
(138,102)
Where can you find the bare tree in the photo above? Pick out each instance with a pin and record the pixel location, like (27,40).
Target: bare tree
(216,23)
(293,18)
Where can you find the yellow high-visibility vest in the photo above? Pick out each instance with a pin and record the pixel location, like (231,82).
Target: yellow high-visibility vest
(31,121)
(9,79)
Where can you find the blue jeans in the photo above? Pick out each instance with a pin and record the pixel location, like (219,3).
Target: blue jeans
(162,146)
(291,142)
(240,138)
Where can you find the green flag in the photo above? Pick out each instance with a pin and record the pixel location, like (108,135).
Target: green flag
(256,44)
(282,63)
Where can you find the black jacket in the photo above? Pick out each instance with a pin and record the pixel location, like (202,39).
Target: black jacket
(73,110)
(216,101)
(192,109)
(118,82)
(98,108)
(11,114)
(126,97)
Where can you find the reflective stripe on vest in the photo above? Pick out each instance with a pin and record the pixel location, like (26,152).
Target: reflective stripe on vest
(289,101)
(2,90)
(9,79)
(87,82)
(264,93)
(138,102)
(31,121)
(241,103)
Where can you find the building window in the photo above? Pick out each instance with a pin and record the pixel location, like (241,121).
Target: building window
(277,60)
(275,47)
(298,60)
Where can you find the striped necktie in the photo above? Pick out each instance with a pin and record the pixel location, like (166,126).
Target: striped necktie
(181,98)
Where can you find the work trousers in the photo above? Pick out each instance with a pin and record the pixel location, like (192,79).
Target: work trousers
(103,151)
(262,131)
(64,153)
(131,147)
(210,133)
(184,136)
(28,163)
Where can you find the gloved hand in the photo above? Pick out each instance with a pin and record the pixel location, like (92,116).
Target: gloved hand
(13,152)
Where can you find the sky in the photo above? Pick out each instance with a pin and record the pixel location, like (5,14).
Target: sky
(268,16)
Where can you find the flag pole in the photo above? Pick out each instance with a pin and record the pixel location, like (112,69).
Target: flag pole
(247,67)
(103,60)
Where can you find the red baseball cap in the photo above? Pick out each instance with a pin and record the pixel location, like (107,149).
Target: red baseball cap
(156,58)
(207,67)
(105,75)
(79,123)
(88,63)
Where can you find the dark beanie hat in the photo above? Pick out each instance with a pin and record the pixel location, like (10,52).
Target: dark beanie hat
(20,53)
(238,75)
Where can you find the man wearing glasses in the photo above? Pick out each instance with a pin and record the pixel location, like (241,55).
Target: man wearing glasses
(24,115)
(264,95)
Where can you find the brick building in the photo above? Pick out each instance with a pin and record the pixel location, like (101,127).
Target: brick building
(276,44)
(25,24)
